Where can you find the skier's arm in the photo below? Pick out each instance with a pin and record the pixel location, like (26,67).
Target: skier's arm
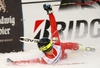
(70,45)
(38,60)
(54,31)
(27,61)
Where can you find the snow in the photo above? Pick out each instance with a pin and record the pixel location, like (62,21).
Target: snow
(75,59)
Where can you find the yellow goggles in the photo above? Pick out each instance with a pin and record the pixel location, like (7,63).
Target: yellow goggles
(46,47)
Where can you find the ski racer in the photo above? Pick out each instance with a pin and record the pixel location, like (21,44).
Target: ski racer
(53,50)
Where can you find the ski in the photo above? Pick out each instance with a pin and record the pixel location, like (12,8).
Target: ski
(89,49)
(74,63)
(28,40)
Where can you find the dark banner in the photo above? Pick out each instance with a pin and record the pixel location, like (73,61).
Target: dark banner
(11,25)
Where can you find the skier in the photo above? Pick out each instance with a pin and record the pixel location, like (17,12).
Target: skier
(53,50)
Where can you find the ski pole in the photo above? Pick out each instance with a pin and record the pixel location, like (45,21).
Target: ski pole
(75,3)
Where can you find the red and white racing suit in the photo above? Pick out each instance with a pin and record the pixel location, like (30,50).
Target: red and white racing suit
(58,47)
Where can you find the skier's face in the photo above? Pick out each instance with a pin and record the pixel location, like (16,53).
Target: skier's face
(50,52)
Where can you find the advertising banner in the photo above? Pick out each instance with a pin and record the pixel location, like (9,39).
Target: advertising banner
(11,25)
(77,21)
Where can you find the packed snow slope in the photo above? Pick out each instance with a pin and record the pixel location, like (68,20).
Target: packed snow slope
(75,59)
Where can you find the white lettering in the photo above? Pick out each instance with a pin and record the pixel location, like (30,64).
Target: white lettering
(9,20)
(4,31)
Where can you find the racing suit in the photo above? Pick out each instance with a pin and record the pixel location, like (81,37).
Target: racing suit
(58,47)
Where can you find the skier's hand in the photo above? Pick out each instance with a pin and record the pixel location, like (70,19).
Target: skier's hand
(48,8)
(9,60)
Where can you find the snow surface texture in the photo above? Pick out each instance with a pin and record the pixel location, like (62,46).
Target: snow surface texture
(76,59)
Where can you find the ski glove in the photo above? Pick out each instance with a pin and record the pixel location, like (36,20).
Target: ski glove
(9,60)
(48,8)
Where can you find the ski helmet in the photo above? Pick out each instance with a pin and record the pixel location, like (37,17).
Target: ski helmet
(45,44)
